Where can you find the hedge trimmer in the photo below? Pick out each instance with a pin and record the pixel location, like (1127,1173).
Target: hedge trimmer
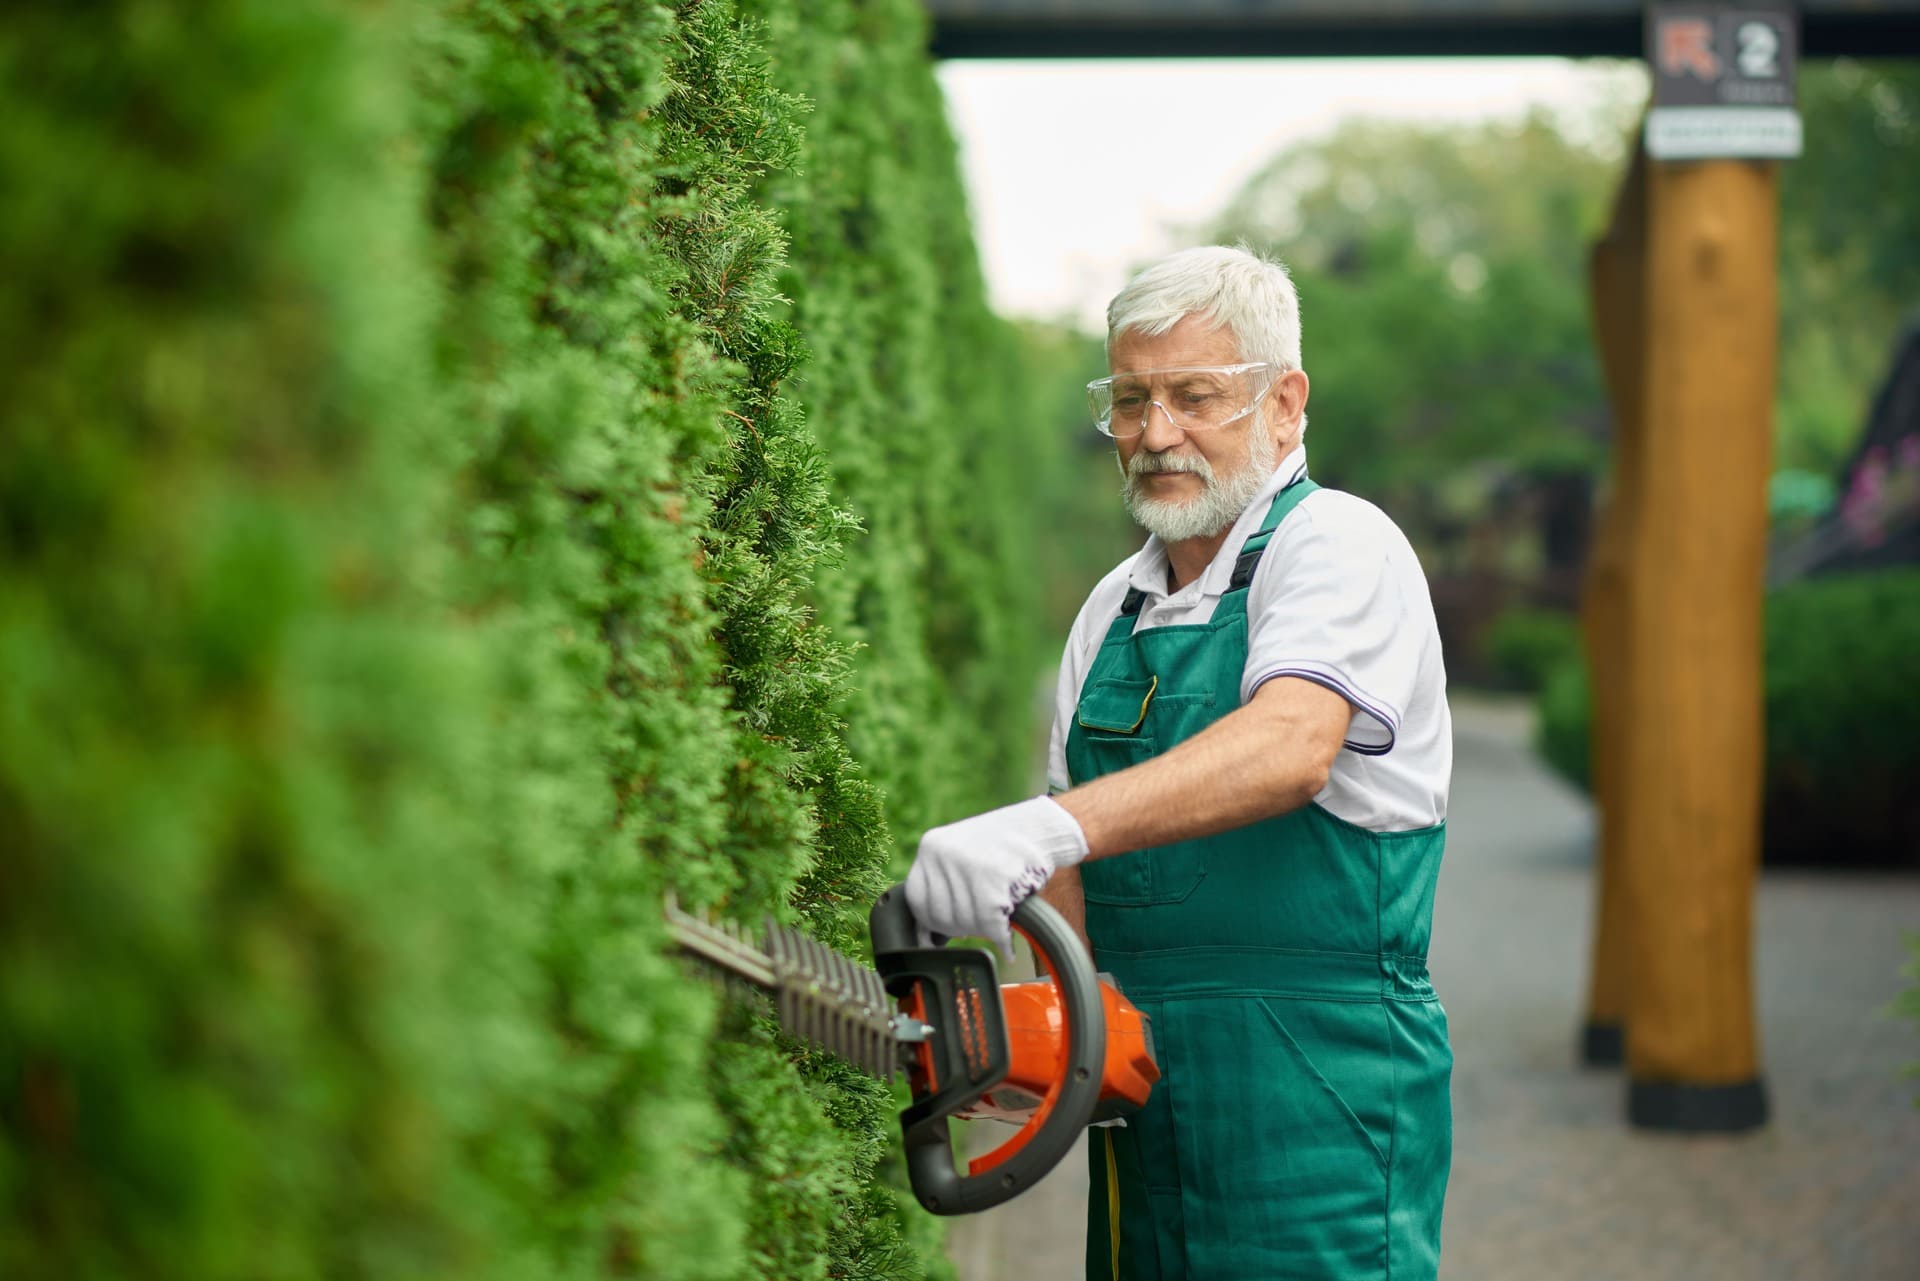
(1051,1055)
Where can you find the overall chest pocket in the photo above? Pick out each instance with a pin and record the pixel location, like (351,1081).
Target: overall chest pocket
(1116,705)
(1119,730)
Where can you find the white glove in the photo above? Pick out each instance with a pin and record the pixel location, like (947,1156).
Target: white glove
(970,875)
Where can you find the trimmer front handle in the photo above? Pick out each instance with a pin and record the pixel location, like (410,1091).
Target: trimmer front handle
(956,991)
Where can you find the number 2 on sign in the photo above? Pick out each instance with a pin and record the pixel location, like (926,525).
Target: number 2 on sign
(1759,55)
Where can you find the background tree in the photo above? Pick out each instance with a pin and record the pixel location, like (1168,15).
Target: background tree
(1849,258)
(1441,272)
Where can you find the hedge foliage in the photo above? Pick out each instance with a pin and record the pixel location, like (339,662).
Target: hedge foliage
(1843,725)
(468,467)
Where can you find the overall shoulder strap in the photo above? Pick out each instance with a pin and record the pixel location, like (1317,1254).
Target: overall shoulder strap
(1129,615)
(1256,545)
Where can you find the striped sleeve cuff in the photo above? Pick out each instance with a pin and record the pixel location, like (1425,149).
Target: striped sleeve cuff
(1375,722)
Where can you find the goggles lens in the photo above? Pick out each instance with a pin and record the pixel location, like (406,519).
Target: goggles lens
(1200,398)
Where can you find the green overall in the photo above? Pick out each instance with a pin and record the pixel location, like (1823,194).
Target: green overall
(1302,1127)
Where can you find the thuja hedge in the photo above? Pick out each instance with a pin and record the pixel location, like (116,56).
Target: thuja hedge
(465,469)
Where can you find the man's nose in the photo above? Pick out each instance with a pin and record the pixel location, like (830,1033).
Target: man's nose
(1161,432)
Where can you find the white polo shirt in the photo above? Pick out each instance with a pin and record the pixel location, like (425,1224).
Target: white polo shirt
(1339,599)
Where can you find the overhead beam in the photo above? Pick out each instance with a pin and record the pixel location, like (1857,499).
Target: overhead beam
(1370,28)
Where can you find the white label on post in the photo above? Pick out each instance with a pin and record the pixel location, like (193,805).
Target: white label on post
(1704,133)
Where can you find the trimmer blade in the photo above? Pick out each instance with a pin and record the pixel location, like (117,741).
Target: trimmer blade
(832,1001)
(827,1000)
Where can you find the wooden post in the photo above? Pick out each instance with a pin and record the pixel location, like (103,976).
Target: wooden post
(1617,269)
(1689,833)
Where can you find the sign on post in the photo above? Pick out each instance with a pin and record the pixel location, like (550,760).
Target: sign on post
(1722,82)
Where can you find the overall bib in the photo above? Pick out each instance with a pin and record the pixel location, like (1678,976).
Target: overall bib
(1302,1127)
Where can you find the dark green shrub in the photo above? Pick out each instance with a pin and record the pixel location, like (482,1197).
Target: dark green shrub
(1562,731)
(1842,719)
(1524,646)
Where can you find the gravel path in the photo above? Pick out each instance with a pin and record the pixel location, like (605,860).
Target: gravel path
(1548,1181)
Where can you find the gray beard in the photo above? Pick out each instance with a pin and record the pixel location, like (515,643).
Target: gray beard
(1215,507)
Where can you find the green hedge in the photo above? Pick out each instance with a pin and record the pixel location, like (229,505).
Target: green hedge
(466,469)
(1843,724)
(919,401)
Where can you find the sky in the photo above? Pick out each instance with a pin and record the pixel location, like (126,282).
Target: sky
(1040,140)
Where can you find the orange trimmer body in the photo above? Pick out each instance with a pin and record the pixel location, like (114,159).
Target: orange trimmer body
(1035,1033)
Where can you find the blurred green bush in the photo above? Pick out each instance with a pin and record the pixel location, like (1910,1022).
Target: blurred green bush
(466,469)
(1562,728)
(1524,646)
(1842,720)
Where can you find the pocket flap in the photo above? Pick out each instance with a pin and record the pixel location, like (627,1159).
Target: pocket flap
(1116,706)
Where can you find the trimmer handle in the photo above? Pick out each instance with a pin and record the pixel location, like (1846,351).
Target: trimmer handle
(957,991)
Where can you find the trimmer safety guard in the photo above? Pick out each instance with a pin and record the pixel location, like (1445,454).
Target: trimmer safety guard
(957,992)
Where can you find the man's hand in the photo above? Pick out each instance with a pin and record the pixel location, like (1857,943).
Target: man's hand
(970,875)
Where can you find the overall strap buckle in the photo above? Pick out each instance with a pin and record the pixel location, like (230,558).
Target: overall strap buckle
(1248,562)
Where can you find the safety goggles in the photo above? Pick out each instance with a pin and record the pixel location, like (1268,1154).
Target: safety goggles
(1194,398)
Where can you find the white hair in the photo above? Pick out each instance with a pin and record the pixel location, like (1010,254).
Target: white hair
(1251,295)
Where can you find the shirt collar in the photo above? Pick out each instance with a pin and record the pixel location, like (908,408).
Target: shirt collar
(1149,572)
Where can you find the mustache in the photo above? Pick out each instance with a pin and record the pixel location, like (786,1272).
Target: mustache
(1147,463)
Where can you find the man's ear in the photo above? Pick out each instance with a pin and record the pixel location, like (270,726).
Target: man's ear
(1290,395)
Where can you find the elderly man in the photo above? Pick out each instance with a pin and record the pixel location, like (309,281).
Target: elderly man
(1250,761)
